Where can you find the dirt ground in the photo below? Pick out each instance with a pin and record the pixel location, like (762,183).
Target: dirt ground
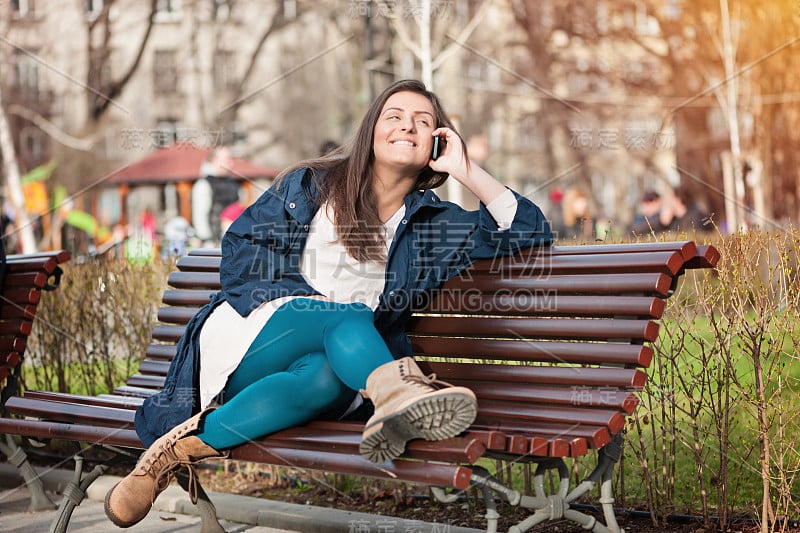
(404,501)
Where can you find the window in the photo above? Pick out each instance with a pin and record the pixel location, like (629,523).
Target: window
(168,10)
(22,8)
(220,9)
(165,72)
(26,72)
(289,9)
(93,8)
(224,70)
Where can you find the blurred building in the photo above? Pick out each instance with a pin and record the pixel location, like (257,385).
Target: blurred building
(556,94)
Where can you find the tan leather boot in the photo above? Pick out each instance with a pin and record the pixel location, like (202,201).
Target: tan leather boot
(410,405)
(132,498)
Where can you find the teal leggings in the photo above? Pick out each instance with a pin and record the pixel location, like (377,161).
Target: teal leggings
(309,359)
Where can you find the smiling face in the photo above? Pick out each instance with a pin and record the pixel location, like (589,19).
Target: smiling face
(402,136)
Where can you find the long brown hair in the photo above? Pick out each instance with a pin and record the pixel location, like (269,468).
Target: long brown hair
(344,177)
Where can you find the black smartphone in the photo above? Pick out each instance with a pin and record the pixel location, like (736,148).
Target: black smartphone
(438,148)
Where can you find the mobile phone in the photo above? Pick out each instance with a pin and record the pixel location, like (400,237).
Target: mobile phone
(438,147)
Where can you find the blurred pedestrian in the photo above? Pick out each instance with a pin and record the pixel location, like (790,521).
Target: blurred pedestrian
(577,220)
(682,213)
(201,203)
(647,219)
(177,232)
(224,188)
(229,214)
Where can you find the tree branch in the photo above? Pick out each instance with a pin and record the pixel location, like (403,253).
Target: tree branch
(115,88)
(442,56)
(76,143)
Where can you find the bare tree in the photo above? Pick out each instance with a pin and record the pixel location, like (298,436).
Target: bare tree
(102,89)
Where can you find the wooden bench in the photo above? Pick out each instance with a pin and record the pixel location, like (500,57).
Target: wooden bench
(554,342)
(26,276)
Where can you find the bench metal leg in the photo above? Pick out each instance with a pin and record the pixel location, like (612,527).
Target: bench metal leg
(17,457)
(553,506)
(74,494)
(206,509)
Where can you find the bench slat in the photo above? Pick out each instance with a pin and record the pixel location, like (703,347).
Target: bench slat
(17,312)
(695,256)
(139,381)
(547,375)
(75,432)
(19,327)
(194,263)
(656,284)
(610,418)
(706,257)
(194,280)
(533,351)
(60,256)
(161,351)
(413,471)
(32,263)
(535,263)
(64,411)
(454,450)
(21,297)
(687,249)
(13,344)
(167,333)
(526,303)
(26,279)
(574,396)
(192,297)
(134,391)
(103,400)
(176,315)
(541,328)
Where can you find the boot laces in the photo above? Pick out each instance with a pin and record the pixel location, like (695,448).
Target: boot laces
(427,382)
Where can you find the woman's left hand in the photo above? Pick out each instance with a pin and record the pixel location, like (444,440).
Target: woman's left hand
(451,158)
(453,161)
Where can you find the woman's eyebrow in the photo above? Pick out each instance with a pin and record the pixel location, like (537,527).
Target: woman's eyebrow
(415,112)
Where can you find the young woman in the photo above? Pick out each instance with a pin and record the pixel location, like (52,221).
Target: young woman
(319,277)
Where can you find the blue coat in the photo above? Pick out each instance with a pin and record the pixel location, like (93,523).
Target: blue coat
(260,258)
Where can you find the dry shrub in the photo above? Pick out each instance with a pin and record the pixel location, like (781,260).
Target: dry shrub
(717,431)
(92,332)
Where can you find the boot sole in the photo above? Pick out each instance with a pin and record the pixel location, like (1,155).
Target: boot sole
(435,417)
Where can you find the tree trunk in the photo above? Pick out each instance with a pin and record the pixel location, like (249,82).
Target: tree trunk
(14,187)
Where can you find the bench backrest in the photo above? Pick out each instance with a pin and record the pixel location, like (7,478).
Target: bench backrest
(25,279)
(553,340)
